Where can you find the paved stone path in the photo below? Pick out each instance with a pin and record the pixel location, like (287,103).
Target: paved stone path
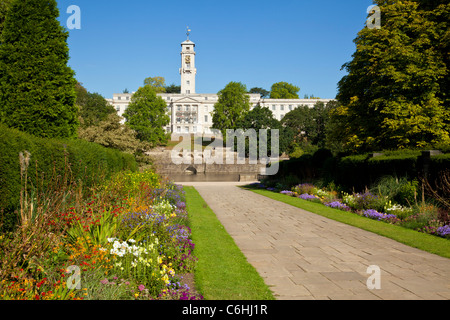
(302,255)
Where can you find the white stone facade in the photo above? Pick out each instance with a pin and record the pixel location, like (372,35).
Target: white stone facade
(191,112)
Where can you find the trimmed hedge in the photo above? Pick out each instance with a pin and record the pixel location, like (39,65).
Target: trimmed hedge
(360,171)
(51,157)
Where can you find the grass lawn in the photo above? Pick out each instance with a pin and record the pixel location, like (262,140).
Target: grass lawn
(222,272)
(423,241)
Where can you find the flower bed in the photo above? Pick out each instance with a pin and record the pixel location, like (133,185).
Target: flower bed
(127,240)
(422,217)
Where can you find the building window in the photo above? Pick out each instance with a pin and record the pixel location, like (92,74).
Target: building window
(274,107)
(178,108)
(206,108)
(117,108)
(188,48)
(188,82)
(187,108)
(282,108)
(290,108)
(206,119)
(188,91)
(188,65)
(206,98)
(194,129)
(119,98)
(186,129)
(179,129)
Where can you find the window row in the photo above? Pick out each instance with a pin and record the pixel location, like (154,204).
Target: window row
(188,108)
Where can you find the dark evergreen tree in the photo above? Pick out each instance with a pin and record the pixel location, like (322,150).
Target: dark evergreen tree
(37,87)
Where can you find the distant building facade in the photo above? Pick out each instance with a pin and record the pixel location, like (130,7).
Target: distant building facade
(191,112)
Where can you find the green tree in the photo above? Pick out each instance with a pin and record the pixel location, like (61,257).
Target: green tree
(173,88)
(308,124)
(262,118)
(37,92)
(300,120)
(96,109)
(93,108)
(232,105)
(264,93)
(284,90)
(4,7)
(395,93)
(157,83)
(147,115)
(336,128)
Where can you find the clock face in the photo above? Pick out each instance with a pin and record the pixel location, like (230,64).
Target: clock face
(188,59)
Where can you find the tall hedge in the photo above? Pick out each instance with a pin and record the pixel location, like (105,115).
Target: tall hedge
(86,160)
(360,171)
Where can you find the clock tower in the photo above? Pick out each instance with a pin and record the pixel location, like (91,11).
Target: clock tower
(188,70)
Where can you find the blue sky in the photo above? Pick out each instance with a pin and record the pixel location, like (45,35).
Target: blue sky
(258,43)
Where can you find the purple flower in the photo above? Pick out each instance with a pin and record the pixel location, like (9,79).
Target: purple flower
(306,196)
(338,205)
(373,214)
(444,231)
(287,192)
(104,281)
(141,287)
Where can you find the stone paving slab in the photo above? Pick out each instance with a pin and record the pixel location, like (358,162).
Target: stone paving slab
(304,256)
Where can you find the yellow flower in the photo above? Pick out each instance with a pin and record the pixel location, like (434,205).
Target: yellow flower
(136,295)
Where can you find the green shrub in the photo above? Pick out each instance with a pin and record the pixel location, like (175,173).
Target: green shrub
(51,160)
(400,191)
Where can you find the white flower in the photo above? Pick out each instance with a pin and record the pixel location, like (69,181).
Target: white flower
(132,240)
(111,239)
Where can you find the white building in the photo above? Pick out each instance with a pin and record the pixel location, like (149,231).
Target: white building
(191,112)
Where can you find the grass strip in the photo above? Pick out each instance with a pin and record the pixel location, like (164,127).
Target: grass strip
(412,238)
(222,271)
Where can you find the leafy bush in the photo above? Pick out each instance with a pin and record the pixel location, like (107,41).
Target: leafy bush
(401,191)
(304,188)
(367,200)
(51,161)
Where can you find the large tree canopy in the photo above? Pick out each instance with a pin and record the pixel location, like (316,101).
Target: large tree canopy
(262,118)
(263,92)
(308,124)
(232,105)
(284,90)
(157,83)
(4,7)
(93,107)
(396,92)
(147,115)
(37,92)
